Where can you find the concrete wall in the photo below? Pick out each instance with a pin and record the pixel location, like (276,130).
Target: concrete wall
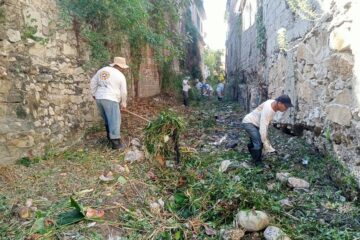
(316,70)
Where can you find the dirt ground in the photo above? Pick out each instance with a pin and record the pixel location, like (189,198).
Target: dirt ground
(191,201)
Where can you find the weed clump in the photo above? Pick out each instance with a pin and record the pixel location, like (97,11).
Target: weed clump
(162,136)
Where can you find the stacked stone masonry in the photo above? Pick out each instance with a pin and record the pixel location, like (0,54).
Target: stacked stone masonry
(317,70)
(45,101)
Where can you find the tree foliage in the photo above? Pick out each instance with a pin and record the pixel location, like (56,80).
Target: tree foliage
(111,25)
(212,59)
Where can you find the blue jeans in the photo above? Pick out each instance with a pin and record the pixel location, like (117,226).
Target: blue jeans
(254,134)
(110,112)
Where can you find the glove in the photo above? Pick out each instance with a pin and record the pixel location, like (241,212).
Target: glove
(268,149)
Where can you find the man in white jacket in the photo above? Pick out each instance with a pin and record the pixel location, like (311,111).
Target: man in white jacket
(108,88)
(186,87)
(256,125)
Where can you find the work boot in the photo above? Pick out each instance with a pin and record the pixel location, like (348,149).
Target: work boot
(256,156)
(117,144)
(250,146)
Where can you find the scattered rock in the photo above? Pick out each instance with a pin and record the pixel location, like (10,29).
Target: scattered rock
(170,164)
(252,221)
(220,141)
(13,35)
(227,165)
(224,165)
(120,169)
(286,204)
(297,183)
(282,176)
(237,178)
(92,224)
(29,202)
(322,221)
(275,233)
(107,177)
(209,230)
(134,155)
(255,236)
(287,157)
(340,38)
(338,113)
(232,234)
(24,212)
(136,143)
(155,208)
(271,186)
(245,165)
(161,203)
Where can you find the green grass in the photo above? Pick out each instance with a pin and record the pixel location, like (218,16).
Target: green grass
(195,194)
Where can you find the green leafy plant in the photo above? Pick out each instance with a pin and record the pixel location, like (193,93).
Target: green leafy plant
(281,39)
(30,32)
(112,26)
(73,216)
(212,59)
(2,16)
(260,33)
(27,162)
(303,9)
(327,134)
(192,59)
(161,132)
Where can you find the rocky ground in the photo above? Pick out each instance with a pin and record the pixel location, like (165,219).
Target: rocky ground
(215,193)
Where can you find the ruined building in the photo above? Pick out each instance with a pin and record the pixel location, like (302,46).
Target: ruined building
(308,50)
(45,100)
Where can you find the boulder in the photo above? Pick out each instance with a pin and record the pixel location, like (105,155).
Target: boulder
(134,155)
(282,176)
(275,233)
(252,221)
(340,114)
(294,182)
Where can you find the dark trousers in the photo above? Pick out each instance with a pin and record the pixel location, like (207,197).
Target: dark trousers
(255,145)
(186,98)
(254,134)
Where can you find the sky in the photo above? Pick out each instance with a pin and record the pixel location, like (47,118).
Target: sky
(215,26)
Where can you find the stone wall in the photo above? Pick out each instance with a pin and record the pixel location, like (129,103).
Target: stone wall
(316,70)
(44,90)
(44,93)
(149,82)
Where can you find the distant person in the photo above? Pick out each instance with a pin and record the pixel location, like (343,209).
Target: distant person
(198,85)
(206,89)
(256,126)
(211,90)
(108,88)
(220,91)
(185,87)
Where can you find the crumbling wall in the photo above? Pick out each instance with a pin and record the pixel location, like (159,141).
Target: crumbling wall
(45,99)
(316,69)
